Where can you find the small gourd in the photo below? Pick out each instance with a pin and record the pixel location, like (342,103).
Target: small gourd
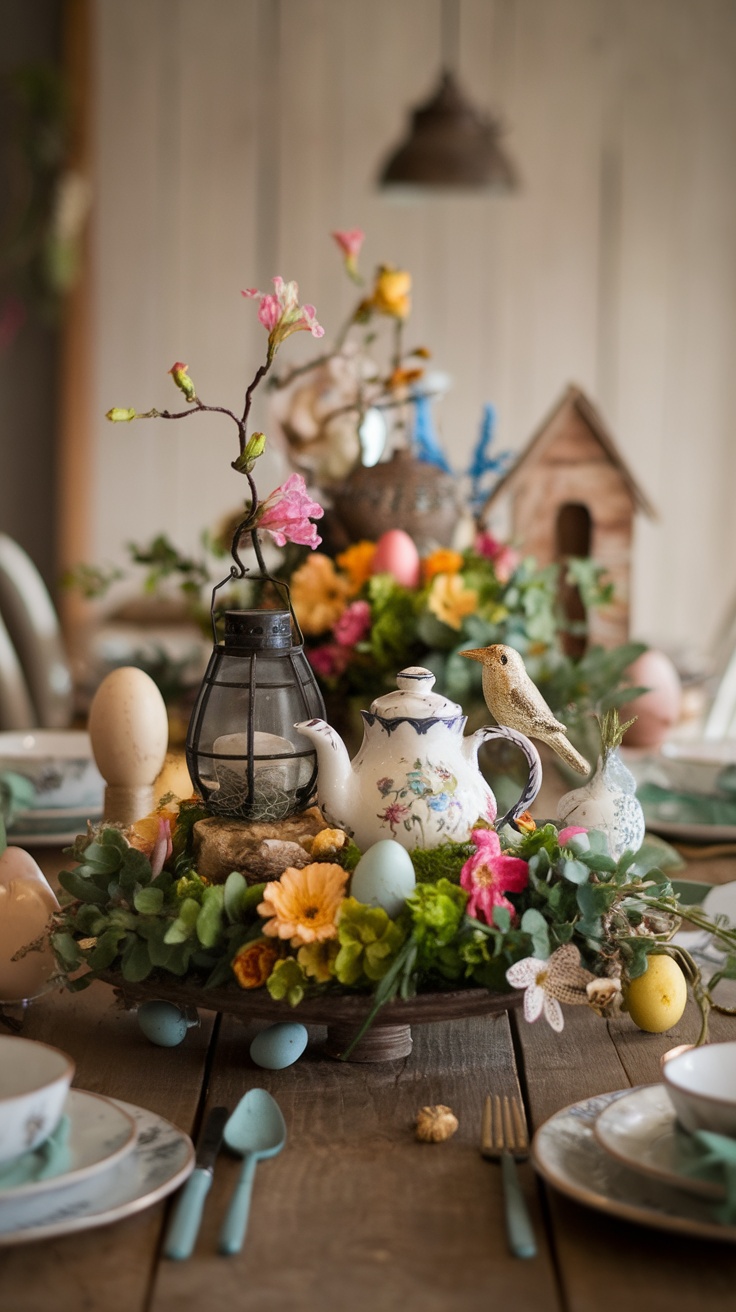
(26,903)
(435,1124)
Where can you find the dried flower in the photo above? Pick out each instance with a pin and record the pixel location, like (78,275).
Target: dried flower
(435,1124)
(253,964)
(303,904)
(288,512)
(489,874)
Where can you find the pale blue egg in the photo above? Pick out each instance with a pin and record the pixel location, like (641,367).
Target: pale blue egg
(163,1023)
(384,876)
(279,1046)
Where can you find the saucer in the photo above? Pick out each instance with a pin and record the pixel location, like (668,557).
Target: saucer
(640,1129)
(161,1159)
(95,1135)
(567,1154)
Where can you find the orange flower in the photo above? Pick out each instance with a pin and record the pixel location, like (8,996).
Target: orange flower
(318,594)
(402,376)
(303,904)
(526,823)
(357,562)
(253,964)
(392,292)
(442,561)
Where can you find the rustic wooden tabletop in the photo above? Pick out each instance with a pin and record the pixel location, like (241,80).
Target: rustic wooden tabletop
(355,1213)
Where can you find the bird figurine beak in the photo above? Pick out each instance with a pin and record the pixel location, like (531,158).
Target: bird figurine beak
(477,654)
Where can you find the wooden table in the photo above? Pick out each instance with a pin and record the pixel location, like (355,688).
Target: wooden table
(355,1214)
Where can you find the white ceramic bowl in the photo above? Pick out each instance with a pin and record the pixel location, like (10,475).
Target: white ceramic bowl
(60,765)
(701,1084)
(34,1083)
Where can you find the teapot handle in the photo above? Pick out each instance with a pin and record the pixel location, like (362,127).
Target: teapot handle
(529,751)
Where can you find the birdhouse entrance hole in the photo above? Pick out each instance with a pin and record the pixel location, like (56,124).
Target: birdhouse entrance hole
(573,534)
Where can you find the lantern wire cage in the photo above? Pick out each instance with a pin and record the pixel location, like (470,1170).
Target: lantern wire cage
(244,755)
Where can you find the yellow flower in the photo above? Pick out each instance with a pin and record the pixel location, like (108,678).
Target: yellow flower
(303,904)
(450,600)
(442,561)
(253,964)
(318,594)
(326,843)
(357,562)
(317,959)
(392,292)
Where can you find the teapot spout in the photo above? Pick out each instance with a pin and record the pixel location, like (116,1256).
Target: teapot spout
(335,778)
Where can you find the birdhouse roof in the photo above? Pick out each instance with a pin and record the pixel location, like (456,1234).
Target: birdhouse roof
(550,431)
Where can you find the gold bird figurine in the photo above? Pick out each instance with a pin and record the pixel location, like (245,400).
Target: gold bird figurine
(514,701)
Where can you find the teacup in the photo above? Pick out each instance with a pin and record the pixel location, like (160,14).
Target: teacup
(34,1083)
(701,1084)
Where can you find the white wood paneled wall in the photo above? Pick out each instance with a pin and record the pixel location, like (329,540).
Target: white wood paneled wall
(232,136)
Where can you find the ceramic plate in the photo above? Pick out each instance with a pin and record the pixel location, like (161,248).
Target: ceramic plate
(96,1134)
(690,833)
(641,1130)
(567,1154)
(160,1161)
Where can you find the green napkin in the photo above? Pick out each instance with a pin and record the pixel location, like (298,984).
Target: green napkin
(49,1160)
(716,1158)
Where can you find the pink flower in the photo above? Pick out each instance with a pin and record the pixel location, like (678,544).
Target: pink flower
(565,835)
(353,624)
(329,661)
(504,558)
(489,874)
(350,242)
(287,513)
(394,814)
(162,848)
(281,314)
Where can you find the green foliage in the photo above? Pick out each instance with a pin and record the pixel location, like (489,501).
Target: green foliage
(287,981)
(369,942)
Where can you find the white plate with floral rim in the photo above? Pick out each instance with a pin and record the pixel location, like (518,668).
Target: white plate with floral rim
(94,1134)
(641,1130)
(161,1159)
(567,1154)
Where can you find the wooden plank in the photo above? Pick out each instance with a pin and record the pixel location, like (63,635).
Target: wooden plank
(355,1212)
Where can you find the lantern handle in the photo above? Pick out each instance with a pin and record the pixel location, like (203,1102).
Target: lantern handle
(240,571)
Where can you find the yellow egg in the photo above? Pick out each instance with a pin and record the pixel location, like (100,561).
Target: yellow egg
(656,1000)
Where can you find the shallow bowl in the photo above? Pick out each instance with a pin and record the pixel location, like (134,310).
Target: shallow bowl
(701,1084)
(34,1083)
(701,765)
(59,764)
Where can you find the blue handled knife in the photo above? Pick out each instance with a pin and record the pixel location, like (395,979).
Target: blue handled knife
(181,1235)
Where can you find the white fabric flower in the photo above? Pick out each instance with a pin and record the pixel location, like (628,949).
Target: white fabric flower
(533,975)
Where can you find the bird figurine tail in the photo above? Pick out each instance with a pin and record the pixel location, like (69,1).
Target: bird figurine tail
(564,748)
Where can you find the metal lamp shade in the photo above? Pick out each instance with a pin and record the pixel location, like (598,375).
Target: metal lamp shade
(450,145)
(244,755)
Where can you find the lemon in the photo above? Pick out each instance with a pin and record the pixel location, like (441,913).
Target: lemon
(656,1000)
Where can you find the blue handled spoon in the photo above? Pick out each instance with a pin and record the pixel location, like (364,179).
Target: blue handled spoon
(256,1130)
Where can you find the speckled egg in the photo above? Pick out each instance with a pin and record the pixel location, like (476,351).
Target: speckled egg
(397,554)
(384,876)
(279,1046)
(163,1023)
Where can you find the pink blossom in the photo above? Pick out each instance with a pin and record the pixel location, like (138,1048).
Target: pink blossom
(350,241)
(504,558)
(287,513)
(565,835)
(353,624)
(329,661)
(490,873)
(281,314)
(162,848)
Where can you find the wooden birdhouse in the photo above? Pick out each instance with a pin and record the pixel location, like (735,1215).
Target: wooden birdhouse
(572,494)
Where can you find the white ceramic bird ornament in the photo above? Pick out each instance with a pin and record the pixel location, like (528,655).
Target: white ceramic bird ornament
(515,702)
(26,903)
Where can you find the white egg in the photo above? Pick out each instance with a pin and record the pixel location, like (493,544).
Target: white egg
(129,728)
(384,877)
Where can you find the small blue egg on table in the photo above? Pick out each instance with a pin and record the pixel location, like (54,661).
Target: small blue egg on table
(384,876)
(163,1023)
(279,1046)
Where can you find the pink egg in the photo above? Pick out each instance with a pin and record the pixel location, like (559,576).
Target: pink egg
(659,709)
(396,554)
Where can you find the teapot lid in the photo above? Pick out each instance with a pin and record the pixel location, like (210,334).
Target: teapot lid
(414,699)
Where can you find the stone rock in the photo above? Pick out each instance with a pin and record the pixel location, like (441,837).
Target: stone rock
(260,849)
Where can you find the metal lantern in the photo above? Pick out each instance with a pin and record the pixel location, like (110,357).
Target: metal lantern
(244,755)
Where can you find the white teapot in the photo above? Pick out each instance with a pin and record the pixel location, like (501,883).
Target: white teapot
(415,778)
